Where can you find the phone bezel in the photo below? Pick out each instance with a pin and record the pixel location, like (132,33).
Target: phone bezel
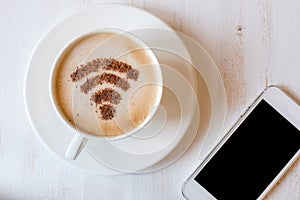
(282,103)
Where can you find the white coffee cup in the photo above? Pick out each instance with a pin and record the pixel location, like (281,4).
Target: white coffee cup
(81,137)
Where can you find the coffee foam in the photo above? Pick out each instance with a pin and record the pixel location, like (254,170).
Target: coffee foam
(136,102)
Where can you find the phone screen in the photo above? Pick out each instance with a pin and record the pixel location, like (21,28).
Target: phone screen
(252,157)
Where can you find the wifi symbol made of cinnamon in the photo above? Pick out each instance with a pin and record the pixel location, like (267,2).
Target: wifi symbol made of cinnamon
(107,97)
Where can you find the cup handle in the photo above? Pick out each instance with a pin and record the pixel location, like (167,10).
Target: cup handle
(77,144)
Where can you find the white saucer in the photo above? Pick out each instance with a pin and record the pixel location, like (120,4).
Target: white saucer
(134,153)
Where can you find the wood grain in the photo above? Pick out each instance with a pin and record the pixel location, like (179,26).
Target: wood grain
(254,43)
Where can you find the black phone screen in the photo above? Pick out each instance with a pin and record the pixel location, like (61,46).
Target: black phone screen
(252,157)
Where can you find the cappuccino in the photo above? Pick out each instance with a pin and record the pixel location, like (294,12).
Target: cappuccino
(106,84)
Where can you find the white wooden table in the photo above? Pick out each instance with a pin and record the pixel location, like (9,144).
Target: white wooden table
(254,43)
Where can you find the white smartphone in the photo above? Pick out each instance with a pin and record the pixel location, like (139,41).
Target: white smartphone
(253,155)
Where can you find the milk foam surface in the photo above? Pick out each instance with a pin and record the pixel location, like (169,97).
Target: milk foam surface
(136,102)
